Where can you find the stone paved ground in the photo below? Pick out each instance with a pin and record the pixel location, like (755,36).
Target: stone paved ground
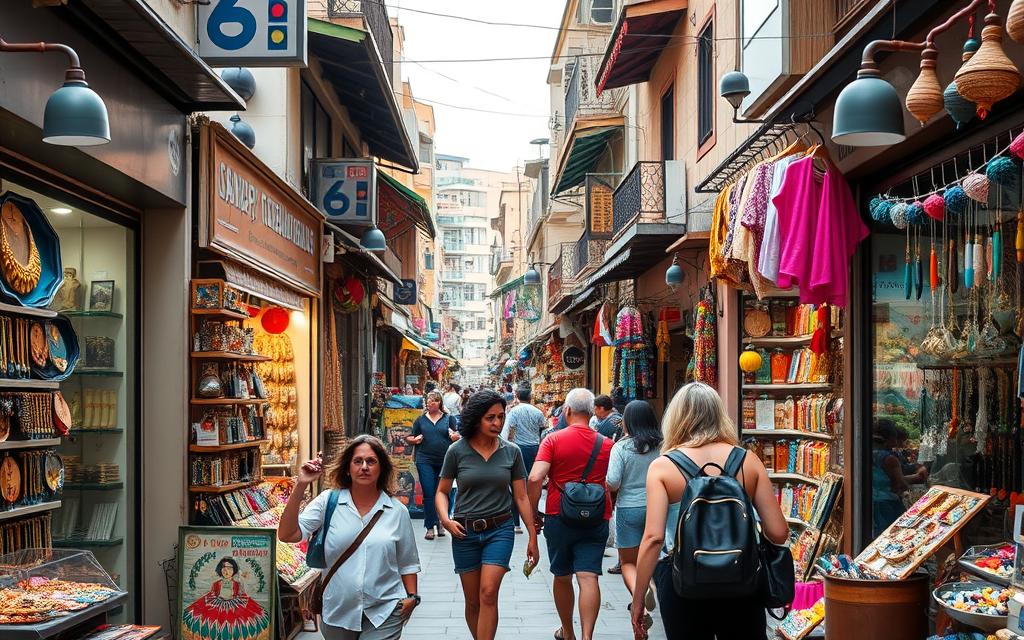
(525,606)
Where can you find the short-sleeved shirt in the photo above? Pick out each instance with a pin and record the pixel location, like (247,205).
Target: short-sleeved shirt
(627,473)
(485,486)
(453,403)
(611,426)
(435,438)
(527,422)
(568,451)
(372,584)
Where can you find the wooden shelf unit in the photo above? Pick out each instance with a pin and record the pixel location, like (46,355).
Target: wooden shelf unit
(793,477)
(786,433)
(195,448)
(30,444)
(229,355)
(27,510)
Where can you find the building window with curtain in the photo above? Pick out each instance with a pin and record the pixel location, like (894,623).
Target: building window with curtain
(706,83)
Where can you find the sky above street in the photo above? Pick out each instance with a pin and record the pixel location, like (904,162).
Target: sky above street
(490,140)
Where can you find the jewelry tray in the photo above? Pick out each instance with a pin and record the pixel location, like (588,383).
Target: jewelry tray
(48,245)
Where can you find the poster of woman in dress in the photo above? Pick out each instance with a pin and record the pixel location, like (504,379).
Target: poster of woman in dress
(227,583)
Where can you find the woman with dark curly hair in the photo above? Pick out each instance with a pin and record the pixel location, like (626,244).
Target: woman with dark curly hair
(490,473)
(377,594)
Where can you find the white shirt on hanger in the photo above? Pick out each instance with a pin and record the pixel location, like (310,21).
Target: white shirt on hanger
(370,582)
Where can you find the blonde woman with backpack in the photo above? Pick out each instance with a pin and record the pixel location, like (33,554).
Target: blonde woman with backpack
(696,426)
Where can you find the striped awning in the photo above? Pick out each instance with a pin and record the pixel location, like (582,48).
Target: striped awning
(587,147)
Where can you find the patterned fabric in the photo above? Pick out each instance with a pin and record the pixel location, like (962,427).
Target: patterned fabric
(751,225)
(704,365)
(719,227)
(220,616)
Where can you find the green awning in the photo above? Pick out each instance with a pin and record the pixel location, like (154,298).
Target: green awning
(508,286)
(398,206)
(587,147)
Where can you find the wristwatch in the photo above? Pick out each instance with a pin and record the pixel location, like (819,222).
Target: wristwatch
(416,597)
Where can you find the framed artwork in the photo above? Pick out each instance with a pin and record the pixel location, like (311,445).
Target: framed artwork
(101,295)
(99,352)
(227,585)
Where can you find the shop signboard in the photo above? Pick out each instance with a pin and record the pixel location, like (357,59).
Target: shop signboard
(406,294)
(398,425)
(227,582)
(250,214)
(573,358)
(345,190)
(252,33)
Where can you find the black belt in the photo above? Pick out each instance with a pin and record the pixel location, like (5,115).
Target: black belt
(476,525)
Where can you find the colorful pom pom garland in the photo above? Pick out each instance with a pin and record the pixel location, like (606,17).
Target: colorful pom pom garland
(935,207)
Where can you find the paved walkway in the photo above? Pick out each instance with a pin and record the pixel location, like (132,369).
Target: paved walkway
(525,605)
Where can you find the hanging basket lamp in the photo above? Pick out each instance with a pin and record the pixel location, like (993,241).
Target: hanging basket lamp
(925,98)
(989,76)
(1015,21)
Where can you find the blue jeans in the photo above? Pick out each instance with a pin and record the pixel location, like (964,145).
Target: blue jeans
(493,546)
(430,476)
(529,455)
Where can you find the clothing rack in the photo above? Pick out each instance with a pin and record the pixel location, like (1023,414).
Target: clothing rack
(751,150)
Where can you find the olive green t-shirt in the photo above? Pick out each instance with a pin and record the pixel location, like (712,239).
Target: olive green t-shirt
(485,486)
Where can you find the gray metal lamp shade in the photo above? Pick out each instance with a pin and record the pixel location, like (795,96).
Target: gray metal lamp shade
(373,240)
(241,81)
(532,276)
(75,116)
(734,87)
(243,131)
(868,113)
(674,275)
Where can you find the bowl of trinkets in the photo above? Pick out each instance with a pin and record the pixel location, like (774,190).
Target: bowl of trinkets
(982,605)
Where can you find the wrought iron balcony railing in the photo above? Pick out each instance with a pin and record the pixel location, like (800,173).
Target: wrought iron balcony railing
(581,97)
(376,16)
(640,196)
(589,254)
(561,275)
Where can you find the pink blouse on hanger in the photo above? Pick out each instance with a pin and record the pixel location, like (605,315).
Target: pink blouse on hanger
(819,229)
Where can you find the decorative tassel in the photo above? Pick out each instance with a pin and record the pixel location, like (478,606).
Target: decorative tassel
(979,260)
(933,267)
(953,266)
(919,275)
(969,265)
(997,255)
(988,259)
(1019,244)
(907,283)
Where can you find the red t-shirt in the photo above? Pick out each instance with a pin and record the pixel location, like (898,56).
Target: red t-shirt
(568,451)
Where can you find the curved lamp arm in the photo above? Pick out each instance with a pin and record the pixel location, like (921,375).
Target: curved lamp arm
(74,73)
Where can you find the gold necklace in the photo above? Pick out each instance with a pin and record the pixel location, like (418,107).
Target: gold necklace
(22,277)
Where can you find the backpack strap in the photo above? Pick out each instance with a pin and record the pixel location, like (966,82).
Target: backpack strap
(734,462)
(686,466)
(598,441)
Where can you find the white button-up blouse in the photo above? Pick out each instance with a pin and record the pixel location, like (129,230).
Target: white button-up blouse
(370,582)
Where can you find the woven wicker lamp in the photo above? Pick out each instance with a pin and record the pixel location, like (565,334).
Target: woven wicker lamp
(924,99)
(960,109)
(989,76)
(1015,21)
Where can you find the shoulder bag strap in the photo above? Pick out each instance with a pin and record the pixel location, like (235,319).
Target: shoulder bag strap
(351,548)
(686,466)
(593,457)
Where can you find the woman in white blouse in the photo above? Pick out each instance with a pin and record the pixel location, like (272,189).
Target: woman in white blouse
(374,593)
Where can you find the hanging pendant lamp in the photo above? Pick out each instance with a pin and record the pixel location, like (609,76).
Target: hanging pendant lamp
(989,76)
(925,98)
(1015,21)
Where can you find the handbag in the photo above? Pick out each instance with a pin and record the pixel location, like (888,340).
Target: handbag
(316,599)
(778,577)
(583,503)
(315,556)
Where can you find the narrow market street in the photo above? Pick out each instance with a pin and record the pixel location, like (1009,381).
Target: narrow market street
(525,605)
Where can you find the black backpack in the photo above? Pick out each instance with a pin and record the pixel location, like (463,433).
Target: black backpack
(583,503)
(716,546)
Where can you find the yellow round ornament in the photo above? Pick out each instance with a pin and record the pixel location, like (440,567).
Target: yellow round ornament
(750,361)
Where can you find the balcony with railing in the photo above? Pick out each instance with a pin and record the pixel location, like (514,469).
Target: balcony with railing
(589,255)
(501,261)
(375,16)
(640,197)
(581,99)
(562,275)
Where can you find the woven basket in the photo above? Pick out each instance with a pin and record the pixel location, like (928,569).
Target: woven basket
(989,76)
(924,99)
(1015,21)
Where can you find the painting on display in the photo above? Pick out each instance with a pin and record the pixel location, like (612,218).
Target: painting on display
(227,583)
(398,425)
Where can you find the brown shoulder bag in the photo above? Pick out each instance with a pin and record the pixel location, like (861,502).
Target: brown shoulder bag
(316,601)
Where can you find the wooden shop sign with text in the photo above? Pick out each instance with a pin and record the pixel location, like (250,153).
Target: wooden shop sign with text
(248,213)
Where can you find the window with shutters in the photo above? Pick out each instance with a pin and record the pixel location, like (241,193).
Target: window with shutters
(706,85)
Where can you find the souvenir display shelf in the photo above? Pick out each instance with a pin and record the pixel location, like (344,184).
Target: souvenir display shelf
(39,566)
(222,348)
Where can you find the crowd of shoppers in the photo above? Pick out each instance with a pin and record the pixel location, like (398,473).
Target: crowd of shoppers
(502,459)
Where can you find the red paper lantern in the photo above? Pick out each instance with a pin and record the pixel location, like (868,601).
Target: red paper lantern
(274,320)
(349,293)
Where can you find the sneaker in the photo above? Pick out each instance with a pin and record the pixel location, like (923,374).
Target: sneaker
(650,602)
(617,570)
(441,532)
(648,622)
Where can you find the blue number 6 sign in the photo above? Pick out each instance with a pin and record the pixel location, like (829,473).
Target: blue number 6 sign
(335,201)
(227,12)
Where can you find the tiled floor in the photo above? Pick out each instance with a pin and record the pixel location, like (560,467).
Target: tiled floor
(525,605)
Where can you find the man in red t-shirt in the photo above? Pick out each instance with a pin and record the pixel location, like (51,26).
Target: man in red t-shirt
(562,457)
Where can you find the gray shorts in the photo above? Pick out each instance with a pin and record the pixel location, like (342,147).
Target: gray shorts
(390,629)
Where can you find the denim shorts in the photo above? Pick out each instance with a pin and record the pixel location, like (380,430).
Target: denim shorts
(629,526)
(572,550)
(493,546)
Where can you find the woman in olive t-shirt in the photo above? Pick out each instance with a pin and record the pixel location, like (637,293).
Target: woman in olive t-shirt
(490,474)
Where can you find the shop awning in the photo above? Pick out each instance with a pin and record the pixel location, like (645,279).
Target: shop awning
(586,147)
(641,33)
(351,246)
(613,270)
(508,286)
(588,295)
(252,282)
(399,208)
(134,30)
(409,345)
(352,64)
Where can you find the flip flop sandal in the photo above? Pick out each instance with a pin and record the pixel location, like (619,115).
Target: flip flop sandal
(429,535)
